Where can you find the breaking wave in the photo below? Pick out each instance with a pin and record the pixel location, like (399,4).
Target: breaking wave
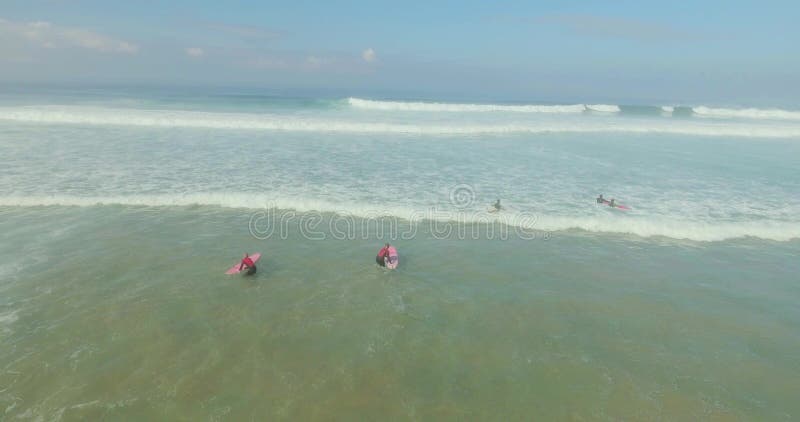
(747,113)
(641,226)
(275,122)
(453,107)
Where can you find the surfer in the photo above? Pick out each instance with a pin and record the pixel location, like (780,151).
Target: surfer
(497,206)
(383,253)
(611,203)
(600,199)
(390,259)
(249,264)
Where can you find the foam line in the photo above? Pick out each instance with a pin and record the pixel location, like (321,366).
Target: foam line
(274,122)
(642,226)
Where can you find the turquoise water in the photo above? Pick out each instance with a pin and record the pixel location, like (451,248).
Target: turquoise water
(120,214)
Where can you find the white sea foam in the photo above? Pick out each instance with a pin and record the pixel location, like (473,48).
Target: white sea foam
(643,226)
(454,107)
(747,113)
(274,122)
(667,109)
(6,320)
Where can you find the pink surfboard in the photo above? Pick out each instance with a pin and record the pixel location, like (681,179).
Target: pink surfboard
(235,269)
(618,206)
(392,260)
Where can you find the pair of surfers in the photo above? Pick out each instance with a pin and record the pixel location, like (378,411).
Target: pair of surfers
(601,200)
(387,256)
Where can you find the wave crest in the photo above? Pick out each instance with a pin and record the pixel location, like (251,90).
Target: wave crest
(456,108)
(747,113)
(603,108)
(275,122)
(641,226)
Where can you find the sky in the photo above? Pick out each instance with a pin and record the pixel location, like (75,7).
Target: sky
(636,51)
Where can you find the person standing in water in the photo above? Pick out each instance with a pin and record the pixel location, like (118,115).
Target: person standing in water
(248,264)
(383,253)
(611,203)
(600,199)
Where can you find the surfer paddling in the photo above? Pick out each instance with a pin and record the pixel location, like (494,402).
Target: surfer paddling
(612,203)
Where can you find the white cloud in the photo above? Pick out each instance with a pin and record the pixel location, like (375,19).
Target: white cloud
(369,55)
(46,35)
(195,52)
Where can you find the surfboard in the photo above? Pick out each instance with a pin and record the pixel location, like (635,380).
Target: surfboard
(393,260)
(235,269)
(618,206)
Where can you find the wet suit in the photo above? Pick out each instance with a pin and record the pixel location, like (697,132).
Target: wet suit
(251,266)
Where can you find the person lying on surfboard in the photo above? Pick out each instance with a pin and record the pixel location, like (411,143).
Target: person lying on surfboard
(384,252)
(248,263)
(612,203)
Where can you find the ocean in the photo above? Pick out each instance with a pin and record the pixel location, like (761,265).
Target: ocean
(121,209)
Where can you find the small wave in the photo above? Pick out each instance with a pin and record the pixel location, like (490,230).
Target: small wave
(746,113)
(641,226)
(667,109)
(603,108)
(455,108)
(675,228)
(276,122)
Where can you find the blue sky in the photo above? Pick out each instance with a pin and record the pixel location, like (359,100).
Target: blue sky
(726,51)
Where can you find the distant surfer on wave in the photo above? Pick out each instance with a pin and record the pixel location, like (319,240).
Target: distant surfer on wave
(601,200)
(496,206)
(612,203)
(248,264)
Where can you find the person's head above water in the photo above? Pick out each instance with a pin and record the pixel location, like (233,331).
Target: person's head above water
(246,255)
(387,245)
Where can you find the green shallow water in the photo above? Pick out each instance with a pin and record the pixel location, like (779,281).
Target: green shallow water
(123,313)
